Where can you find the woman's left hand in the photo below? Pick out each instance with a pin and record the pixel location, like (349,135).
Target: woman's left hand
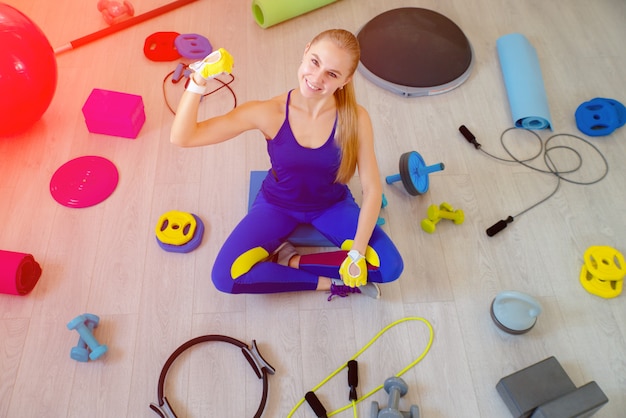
(353,270)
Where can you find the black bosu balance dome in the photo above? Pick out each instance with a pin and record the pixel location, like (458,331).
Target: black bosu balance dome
(414,52)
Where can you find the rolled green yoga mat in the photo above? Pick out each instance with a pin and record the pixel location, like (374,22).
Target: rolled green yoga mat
(271,12)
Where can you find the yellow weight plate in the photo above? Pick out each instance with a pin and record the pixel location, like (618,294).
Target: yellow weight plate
(176,228)
(605,263)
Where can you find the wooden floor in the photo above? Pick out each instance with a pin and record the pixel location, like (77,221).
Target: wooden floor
(105,260)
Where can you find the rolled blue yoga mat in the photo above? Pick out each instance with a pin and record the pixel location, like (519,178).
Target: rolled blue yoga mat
(523,81)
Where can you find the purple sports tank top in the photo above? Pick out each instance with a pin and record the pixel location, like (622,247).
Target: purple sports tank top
(302,178)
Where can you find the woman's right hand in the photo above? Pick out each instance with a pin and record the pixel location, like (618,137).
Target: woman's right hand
(198,79)
(216,63)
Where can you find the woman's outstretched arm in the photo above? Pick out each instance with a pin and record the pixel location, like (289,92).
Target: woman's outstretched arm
(187,132)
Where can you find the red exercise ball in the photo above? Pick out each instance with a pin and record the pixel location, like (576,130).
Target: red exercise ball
(28,72)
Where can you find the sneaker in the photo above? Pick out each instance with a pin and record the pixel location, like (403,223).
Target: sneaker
(369,289)
(282,254)
(285,252)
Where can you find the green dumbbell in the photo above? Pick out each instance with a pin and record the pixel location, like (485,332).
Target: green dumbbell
(444,211)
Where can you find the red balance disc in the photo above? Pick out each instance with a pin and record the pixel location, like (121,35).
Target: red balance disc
(84,181)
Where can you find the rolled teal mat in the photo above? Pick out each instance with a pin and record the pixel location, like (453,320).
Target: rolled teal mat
(271,12)
(523,81)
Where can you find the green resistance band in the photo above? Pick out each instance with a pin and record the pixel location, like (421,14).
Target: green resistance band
(361,351)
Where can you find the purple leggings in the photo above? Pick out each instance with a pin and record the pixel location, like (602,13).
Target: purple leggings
(268,225)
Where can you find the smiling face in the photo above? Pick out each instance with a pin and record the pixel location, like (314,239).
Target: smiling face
(325,68)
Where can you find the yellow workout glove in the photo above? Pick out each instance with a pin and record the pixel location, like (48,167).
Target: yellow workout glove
(216,63)
(353,270)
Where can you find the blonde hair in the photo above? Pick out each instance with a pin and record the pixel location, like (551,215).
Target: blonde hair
(345,99)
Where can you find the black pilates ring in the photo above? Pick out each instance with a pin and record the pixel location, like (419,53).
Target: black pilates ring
(260,366)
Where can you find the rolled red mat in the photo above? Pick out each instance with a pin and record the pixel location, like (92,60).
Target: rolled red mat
(19,273)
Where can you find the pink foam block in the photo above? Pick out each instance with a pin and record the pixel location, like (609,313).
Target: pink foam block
(114,113)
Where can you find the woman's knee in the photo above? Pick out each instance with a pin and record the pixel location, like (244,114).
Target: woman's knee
(228,267)
(391,267)
(222,280)
(391,262)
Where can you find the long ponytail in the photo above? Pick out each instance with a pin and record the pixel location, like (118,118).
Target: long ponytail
(347,137)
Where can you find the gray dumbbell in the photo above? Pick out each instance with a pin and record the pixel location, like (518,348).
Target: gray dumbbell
(396,388)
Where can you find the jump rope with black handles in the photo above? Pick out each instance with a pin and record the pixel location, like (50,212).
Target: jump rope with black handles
(545,149)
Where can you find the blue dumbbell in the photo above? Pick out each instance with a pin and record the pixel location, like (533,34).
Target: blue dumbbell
(81,351)
(381,220)
(80,325)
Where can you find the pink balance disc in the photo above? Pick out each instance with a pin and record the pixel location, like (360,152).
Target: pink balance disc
(84,181)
